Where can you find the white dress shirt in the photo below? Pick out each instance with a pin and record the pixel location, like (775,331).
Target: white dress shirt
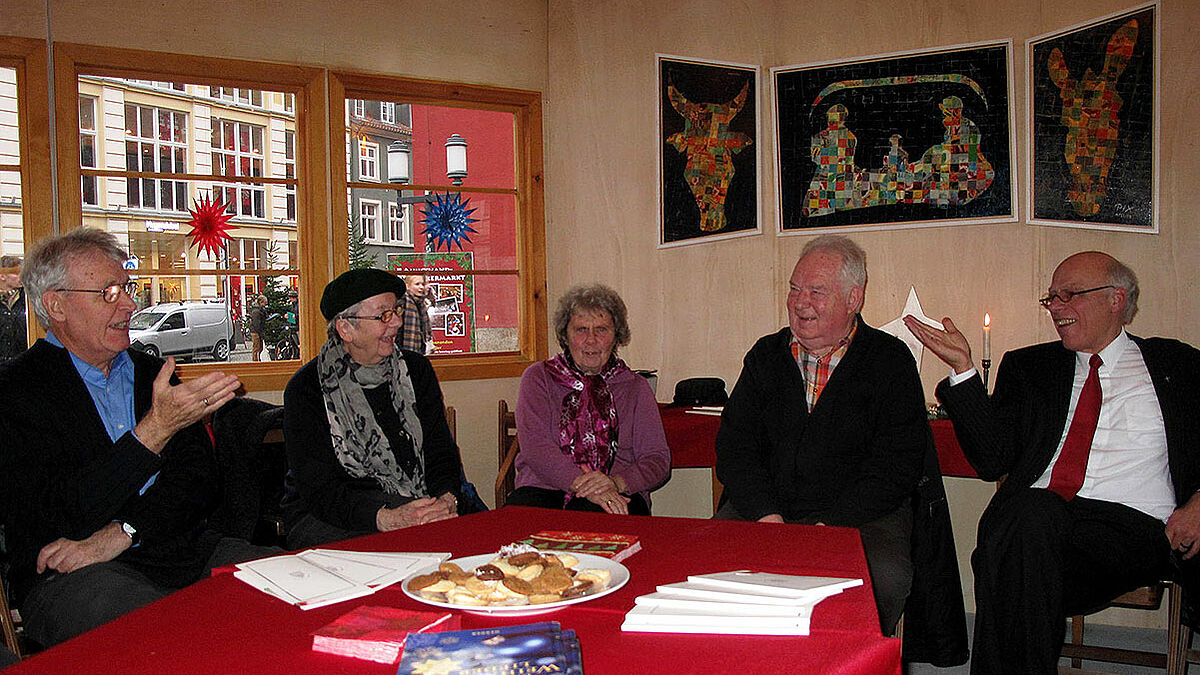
(1128,460)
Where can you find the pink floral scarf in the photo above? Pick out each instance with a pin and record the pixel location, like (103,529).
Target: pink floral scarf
(587,429)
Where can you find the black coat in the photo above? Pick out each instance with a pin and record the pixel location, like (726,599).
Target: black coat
(862,452)
(62,476)
(1017,430)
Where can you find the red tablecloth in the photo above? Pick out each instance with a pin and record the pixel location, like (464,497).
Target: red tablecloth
(950,454)
(691,437)
(221,625)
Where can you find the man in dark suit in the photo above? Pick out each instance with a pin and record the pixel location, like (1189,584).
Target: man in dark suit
(1097,436)
(106,475)
(827,423)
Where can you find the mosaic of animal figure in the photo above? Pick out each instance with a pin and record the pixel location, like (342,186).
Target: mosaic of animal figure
(709,146)
(1090,112)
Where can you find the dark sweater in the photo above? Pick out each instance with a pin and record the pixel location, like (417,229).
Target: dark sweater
(318,484)
(855,458)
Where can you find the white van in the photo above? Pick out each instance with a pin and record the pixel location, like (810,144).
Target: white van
(183,329)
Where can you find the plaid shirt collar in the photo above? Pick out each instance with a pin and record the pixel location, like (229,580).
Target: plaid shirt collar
(817,369)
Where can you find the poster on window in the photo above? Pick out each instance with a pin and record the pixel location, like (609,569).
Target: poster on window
(915,139)
(451,296)
(1093,101)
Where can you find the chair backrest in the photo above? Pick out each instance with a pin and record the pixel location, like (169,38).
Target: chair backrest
(252,464)
(452,422)
(507,448)
(6,620)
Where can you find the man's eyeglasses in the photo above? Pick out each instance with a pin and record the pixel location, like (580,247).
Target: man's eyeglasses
(110,293)
(1066,296)
(384,316)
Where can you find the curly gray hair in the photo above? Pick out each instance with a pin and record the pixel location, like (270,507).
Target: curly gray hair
(587,299)
(48,263)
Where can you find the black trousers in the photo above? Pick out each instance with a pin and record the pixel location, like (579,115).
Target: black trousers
(61,606)
(1040,559)
(553,499)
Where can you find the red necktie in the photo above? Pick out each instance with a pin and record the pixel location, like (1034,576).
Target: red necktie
(1067,477)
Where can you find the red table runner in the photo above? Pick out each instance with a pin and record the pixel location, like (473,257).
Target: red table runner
(221,625)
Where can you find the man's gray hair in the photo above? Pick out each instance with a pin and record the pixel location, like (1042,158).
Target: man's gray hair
(854,259)
(589,299)
(1122,276)
(48,263)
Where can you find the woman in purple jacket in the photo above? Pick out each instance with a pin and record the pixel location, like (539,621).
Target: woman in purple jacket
(591,436)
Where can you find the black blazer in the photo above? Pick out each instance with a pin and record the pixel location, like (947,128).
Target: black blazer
(1016,432)
(62,476)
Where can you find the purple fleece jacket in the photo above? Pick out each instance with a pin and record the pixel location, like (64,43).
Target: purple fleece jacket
(643,459)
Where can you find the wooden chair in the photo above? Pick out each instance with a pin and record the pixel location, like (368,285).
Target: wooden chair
(1146,597)
(452,422)
(7,623)
(507,448)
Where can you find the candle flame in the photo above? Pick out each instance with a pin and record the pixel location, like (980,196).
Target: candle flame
(987,320)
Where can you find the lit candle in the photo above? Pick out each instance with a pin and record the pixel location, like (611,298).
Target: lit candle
(987,336)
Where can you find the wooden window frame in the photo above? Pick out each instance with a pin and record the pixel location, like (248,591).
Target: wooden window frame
(526,108)
(313,227)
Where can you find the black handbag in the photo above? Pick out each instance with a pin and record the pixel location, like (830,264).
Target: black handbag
(700,391)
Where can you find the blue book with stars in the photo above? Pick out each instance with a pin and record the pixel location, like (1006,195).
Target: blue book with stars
(508,650)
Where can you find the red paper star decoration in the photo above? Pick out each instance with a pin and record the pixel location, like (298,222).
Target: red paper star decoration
(209,224)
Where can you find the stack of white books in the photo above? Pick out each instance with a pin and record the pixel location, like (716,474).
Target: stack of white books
(734,603)
(319,577)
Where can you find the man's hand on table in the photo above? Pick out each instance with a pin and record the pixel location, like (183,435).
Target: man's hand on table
(771,518)
(68,555)
(1183,528)
(417,512)
(174,407)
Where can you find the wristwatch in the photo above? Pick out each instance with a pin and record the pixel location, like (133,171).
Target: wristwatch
(131,532)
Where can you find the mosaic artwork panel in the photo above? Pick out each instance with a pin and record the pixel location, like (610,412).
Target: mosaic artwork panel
(708,152)
(1093,123)
(896,140)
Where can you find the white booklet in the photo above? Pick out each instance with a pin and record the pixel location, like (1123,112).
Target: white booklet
(319,577)
(688,589)
(721,608)
(782,585)
(645,618)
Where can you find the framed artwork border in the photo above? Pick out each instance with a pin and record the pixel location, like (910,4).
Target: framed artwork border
(675,198)
(1007,206)
(1048,145)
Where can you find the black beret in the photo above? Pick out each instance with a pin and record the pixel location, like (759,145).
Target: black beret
(355,286)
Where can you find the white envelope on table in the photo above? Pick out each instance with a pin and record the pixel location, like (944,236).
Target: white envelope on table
(300,582)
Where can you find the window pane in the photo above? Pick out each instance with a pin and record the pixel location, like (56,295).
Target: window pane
(240,142)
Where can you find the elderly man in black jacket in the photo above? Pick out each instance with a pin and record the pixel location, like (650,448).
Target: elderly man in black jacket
(106,475)
(827,422)
(1098,436)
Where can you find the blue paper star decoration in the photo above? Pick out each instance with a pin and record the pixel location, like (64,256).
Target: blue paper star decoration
(448,220)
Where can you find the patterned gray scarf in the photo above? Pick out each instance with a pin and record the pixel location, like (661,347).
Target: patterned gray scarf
(358,442)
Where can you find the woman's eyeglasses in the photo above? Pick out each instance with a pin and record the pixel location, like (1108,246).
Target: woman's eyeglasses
(384,316)
(110,293)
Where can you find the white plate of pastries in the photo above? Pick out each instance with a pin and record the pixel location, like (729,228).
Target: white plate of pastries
(517,581)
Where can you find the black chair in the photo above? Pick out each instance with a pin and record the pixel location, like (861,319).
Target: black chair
(252,464)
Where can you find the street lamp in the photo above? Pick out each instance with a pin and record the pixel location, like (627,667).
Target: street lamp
(399,153)
(456,159)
